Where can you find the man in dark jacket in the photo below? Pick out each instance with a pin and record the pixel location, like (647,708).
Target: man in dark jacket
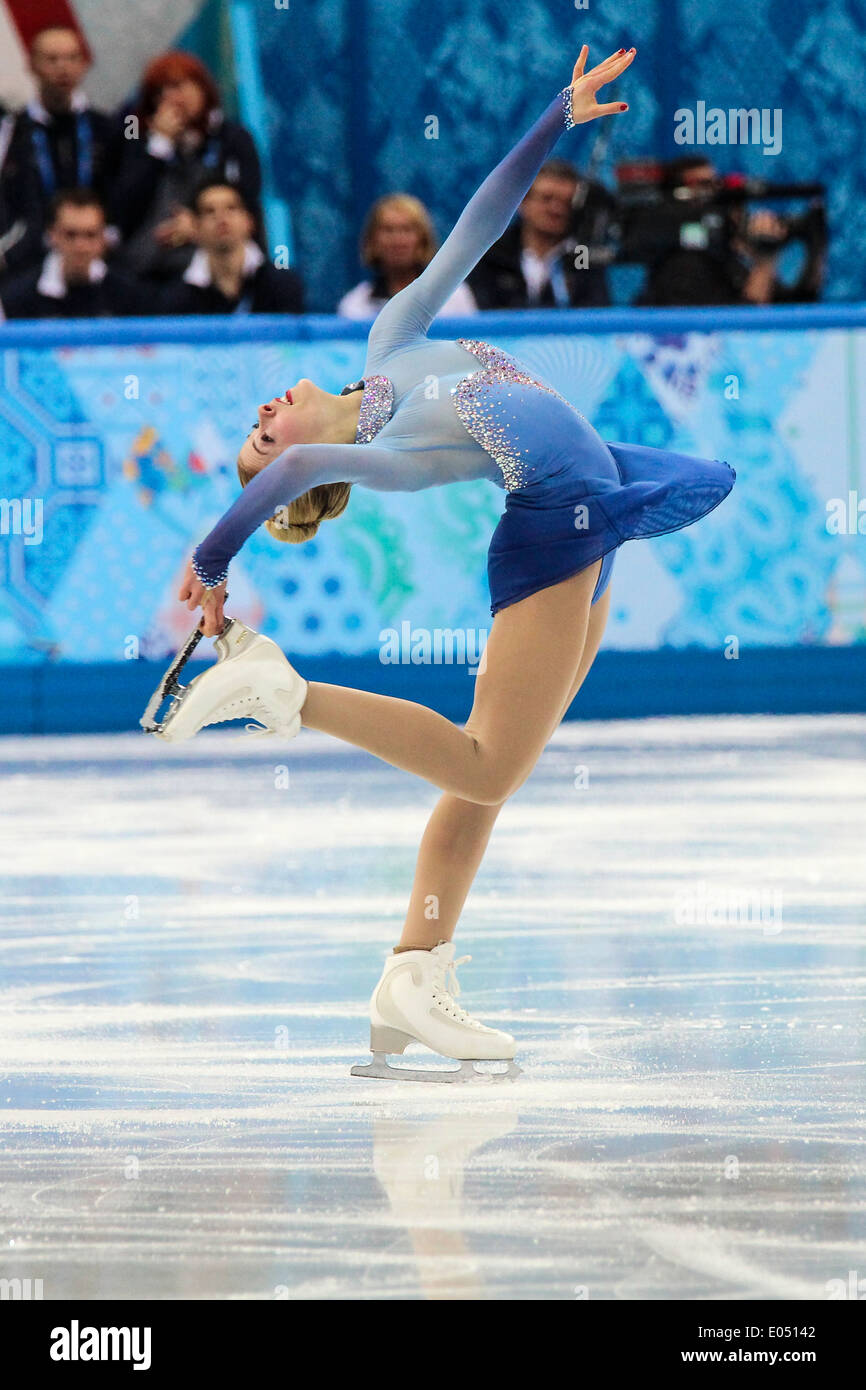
(57,142)
(229,273)
(544,259)
(73,281)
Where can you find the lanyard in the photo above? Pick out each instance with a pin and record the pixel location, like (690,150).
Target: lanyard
(558,284)
(211,152)
(83,152)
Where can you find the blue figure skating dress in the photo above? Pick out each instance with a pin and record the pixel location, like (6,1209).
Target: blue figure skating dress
(436,412)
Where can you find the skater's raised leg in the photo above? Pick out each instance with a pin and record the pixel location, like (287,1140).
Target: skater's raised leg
(532,654)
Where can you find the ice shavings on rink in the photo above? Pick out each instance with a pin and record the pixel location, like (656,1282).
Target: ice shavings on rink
(189,938)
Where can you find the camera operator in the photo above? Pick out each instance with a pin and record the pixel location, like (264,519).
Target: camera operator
(733,255)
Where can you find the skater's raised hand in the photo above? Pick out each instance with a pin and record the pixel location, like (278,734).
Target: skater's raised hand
(584,86)
(211,601)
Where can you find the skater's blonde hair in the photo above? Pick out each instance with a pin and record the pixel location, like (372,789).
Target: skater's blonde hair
(299,520)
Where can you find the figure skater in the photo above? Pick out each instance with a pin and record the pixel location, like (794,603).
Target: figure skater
(424,414)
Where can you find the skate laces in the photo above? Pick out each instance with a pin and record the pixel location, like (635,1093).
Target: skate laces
(449,972)
(446,986)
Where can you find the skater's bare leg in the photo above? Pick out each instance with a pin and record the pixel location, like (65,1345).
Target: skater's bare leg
(451,850)
(458,832)
(531,656)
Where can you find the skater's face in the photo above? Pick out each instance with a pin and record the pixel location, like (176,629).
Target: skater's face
(300,416)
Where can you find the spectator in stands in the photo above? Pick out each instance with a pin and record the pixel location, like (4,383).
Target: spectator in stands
(174,137)
(11,231)
(74,280)
(229,273)
(58,141)
(533,264)
(397,242)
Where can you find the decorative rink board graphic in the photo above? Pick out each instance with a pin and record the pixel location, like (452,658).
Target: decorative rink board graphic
(118,446)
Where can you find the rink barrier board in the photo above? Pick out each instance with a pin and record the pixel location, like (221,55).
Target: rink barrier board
(664,680)
(220,330)
(109,697)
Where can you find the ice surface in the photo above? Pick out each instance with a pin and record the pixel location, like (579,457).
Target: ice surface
(189,939)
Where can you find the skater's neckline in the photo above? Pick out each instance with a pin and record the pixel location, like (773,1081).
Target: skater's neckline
(377,407)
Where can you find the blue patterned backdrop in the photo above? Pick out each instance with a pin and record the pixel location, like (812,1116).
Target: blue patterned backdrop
(129,447)
(349,84)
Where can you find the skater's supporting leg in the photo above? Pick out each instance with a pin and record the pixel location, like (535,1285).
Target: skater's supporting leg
(457,834)
(451,850)
(532,653)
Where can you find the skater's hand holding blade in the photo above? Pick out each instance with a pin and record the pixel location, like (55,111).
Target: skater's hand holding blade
(211,601)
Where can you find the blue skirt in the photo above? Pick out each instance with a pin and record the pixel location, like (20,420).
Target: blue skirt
(561,523)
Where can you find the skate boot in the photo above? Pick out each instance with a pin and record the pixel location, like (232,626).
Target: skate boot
(251,678)
(414,1002)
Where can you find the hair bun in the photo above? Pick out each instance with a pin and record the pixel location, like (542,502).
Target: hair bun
(293,531)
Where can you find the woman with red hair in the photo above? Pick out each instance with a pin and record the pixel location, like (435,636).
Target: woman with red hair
(176,134)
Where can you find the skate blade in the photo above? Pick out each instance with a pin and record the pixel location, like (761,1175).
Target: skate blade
(380,1069)
(170,687)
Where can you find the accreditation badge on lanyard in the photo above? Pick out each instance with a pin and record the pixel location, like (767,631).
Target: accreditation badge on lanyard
(83,154)
(558,284)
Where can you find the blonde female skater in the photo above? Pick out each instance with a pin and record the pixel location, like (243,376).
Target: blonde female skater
(427,413)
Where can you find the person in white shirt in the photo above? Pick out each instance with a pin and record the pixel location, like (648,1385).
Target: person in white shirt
(73,280)
(533,265)
(56,142)
(397,243)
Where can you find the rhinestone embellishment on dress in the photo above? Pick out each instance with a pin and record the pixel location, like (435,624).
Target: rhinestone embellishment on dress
(377,406)
(471,401)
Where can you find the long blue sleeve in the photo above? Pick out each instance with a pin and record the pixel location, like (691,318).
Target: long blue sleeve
(289,476)
(486,216)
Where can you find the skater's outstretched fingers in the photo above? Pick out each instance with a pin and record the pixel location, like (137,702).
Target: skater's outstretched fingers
(584,86)
(580,65)
(609,68)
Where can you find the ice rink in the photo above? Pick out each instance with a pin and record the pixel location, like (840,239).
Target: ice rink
(669,918)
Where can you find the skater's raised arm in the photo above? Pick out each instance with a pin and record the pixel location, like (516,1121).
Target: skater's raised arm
(490,209)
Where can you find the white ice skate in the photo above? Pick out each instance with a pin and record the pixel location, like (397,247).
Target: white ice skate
(414,1002)
(250,679)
